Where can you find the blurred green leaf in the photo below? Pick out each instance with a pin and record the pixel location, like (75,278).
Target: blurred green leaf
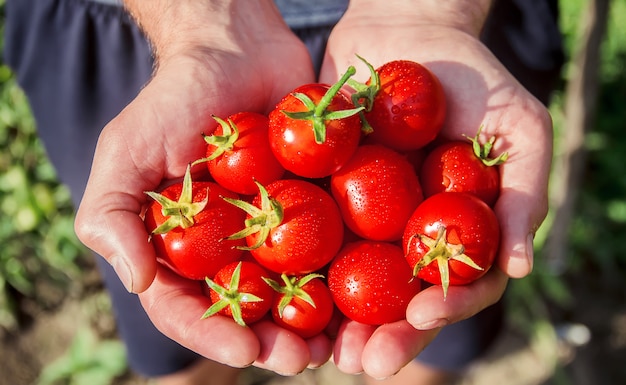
(87,361)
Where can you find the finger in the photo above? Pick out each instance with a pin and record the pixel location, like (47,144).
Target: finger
(392,346)
(108,221)
(523,202)
(350,344)
(321,349)
(281,351)
(517,227)
(429,310)
(176,305)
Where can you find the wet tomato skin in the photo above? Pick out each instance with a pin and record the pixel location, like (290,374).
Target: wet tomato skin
(469,222)
(310,234)
(377,191)
(300,317)
(293,141)
(454,167)
(250,282)
(371,282)
(250,157)
(410,107)
(198,251)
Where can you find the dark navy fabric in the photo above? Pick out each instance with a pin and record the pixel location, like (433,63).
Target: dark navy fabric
(524,36)
(80,65)
(81,62)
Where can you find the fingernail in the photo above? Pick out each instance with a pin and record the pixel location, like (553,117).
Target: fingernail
(431,324)
(123,272)
(530,250)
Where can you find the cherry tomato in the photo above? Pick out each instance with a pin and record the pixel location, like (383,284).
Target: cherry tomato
(376,191)
(293,227)
(303,304)
(189,222)
(239,290)
(371,282)
(452,238)
(409,108)
(315,129)
(463,167)
(238,153)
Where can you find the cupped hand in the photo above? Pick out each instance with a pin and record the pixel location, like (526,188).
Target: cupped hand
(246,61)
(479,91)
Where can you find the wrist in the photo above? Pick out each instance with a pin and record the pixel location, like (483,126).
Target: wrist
(465,15)
(174,27)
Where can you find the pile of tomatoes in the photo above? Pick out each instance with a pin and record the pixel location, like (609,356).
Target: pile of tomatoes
(343,197)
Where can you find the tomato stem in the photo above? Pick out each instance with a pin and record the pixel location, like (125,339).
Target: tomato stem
(230,297)
(179,213)
(365,94)
(261,221)
(442,252)
(222,143)
(293,287)
(318,114)
(482,151)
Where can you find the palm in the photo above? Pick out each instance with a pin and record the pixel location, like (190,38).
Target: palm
(479,91)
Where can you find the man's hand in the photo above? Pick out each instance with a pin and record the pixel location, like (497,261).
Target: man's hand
(479,90)
(211,58)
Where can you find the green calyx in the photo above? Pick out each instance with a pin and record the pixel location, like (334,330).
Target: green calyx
(222,143)
(482,151)
(318,114)
(442,252)
(179,213)
(365,93)
(230,297)
(292,288)
(261,220)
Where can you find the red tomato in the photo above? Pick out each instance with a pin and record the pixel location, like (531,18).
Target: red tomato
(239,290)
(314,130)
(451,239)
(293,227)
(303,305)
(409,108)
(371,282)
(377,191)
(189,222)
(238,153)
(463,167)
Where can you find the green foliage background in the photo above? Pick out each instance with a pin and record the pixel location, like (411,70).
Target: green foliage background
(36,226)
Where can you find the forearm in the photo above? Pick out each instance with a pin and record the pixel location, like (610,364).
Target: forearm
(174,26)
(466,15)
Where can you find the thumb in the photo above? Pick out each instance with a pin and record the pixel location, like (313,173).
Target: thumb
(114,233)
(108,220)
(519,219)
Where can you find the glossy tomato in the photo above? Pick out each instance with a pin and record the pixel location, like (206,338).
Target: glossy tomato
(315,129)
(238,153)
(452,238)
(377,191)
(463,167)
(303,305)
(239,290)
(293,227)
(189,222)
(371,282)
(409,108)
